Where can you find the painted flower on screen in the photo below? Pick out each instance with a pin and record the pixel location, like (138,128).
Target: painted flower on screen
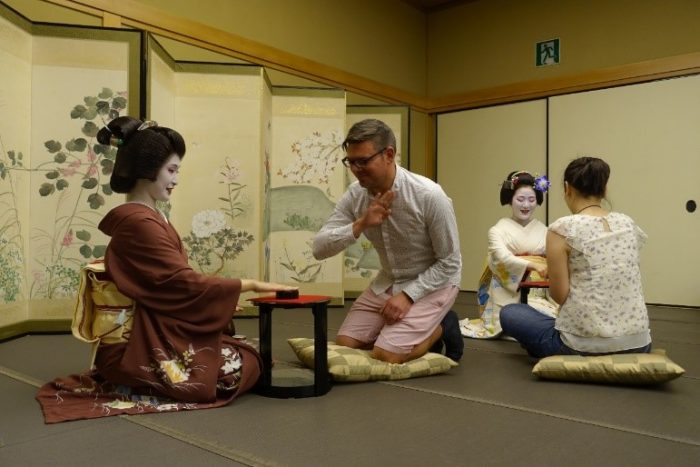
(209,222)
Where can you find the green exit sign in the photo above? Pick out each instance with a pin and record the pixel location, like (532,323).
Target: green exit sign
(547,52)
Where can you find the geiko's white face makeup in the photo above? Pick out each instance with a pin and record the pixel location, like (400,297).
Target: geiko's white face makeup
(524,204)
(162,187)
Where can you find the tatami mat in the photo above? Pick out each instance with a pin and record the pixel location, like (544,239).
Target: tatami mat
(488,411)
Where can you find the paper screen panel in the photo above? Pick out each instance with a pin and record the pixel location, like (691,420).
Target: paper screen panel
(649,137)
(216,206)
(306,179)
(15,134)
(78,84)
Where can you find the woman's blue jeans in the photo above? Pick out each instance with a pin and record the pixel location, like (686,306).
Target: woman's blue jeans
(536,332)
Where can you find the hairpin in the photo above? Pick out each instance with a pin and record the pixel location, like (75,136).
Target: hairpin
(541,182)
(147,124)
(115,141)
(512,182)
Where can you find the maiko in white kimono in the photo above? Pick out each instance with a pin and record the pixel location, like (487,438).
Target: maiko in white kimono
(509,243)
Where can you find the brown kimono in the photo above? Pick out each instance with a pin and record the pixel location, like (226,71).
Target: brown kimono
(177,356)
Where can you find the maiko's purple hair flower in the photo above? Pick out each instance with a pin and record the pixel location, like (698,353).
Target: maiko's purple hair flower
(542,183)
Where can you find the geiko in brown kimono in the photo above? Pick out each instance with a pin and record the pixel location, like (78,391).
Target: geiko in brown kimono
(177,356)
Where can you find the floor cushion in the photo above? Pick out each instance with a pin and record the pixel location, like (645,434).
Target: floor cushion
(354,365)
(629,368)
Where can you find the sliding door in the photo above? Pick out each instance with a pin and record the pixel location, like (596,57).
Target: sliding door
(650,135)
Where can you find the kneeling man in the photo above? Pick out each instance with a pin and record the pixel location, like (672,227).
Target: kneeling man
(409,219)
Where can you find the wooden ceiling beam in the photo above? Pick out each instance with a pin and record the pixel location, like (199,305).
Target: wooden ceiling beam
(130,13)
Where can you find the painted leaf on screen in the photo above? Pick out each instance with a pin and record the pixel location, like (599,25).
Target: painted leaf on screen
(77,145)
(53,146)
(46,189)
(90,129)
(83,235)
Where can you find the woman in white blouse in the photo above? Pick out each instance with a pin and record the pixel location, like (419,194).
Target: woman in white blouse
(593,267)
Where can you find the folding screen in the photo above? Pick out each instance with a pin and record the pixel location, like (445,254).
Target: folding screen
(476,151)
(306,179)
(262,170)
(361,263)
(216,208)
(15,137)
(60,84)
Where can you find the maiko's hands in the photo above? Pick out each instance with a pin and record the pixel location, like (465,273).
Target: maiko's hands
(396,308)
(541,269)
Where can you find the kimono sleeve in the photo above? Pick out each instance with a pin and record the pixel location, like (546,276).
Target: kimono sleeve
(147,263)
(507,268)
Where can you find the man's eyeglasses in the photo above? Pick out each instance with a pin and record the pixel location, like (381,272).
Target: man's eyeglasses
(360,163)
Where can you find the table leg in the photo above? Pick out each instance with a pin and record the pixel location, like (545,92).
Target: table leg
(524,292)
(321,377)
(265,332)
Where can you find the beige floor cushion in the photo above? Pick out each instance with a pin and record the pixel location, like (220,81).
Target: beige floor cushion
(631,368)
(354,365)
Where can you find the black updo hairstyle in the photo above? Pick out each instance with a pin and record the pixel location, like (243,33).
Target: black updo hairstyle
(589,175)
(515,180)
(143,148)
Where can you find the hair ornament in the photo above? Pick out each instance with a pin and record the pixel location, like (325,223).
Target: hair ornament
(115,141)
(512,182)
(541,183)
(147,124)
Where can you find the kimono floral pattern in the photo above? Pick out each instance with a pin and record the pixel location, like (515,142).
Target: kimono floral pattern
(175,369)
(232,364)
(110,399)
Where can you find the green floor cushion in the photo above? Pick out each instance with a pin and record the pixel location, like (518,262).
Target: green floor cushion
(354,365)
(631,368)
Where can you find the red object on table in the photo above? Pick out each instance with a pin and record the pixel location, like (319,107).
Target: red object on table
(535,284)
(302,300)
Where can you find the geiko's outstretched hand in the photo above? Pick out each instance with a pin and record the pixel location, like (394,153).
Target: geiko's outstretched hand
(248,285)
(273,287)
